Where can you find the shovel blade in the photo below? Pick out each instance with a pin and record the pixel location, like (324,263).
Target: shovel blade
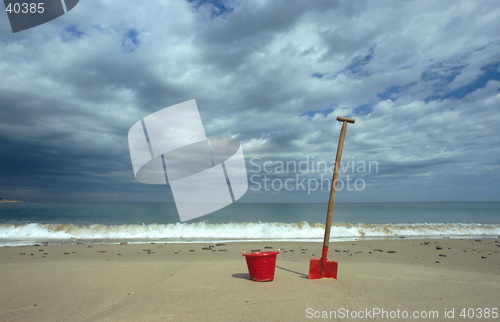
(320,268)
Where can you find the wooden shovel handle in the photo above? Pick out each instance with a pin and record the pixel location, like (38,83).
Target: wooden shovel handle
(333,188)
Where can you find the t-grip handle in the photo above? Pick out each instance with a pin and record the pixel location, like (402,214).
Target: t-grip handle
(345,119)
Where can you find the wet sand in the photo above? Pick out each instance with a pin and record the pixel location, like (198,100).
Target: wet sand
(378,279)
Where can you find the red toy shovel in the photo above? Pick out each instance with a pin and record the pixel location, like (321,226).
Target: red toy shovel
(321,268)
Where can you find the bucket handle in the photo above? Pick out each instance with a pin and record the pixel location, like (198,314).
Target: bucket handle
(243,252)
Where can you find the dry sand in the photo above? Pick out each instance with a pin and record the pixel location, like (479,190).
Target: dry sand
(184,282)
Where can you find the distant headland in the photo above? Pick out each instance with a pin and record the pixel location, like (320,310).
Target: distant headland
(2,200)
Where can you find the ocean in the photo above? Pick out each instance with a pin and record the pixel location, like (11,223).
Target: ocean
(59,223)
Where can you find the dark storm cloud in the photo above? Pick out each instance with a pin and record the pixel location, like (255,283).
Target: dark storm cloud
(420,77)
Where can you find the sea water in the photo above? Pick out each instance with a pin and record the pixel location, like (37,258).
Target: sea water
(31,223)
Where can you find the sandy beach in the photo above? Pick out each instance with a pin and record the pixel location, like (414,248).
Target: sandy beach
(378,280)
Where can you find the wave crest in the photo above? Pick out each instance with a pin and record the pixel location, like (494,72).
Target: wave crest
(188,232)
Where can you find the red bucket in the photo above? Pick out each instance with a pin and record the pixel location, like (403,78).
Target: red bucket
(261,265)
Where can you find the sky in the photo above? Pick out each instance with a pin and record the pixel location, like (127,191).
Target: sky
(421,78)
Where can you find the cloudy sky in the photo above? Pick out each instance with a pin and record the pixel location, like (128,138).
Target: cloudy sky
(421,78)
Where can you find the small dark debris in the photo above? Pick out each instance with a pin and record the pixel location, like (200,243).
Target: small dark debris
(437,262)
(255,250)
(439,247)
(220,244)
(484,257)
(442,255)
(268,247)
(391,251)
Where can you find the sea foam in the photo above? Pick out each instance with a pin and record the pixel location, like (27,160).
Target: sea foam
(197,232)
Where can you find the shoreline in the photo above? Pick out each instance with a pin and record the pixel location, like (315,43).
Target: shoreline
(210,281)
(145,241)
(12,234)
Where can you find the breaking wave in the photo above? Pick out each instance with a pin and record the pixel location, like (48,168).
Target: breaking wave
(203,232)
